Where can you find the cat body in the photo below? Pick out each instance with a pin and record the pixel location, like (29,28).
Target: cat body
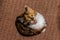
(30,22)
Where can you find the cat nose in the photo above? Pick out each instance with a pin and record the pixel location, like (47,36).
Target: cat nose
(33,22)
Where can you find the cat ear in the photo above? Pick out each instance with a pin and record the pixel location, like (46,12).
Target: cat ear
(27,8)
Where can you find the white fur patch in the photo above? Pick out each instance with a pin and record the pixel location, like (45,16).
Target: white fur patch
(40,22)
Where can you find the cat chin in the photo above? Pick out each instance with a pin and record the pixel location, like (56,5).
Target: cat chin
(41,22)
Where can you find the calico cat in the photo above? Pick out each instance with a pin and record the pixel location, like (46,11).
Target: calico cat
(30,22)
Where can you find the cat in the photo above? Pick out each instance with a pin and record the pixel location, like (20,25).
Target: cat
(30,22)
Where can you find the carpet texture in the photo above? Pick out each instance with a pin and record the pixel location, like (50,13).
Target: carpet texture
(10,9)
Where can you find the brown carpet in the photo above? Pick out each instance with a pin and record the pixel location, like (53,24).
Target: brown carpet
(10,9)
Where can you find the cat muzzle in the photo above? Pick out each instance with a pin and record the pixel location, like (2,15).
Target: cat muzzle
(33,22)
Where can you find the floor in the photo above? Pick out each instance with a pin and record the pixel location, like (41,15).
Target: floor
(10,9)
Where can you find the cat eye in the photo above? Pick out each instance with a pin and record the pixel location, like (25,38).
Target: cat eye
(31,17)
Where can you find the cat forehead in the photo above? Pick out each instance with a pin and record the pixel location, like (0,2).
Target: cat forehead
(29,10)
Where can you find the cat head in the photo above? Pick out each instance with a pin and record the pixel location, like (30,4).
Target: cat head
(30,14)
